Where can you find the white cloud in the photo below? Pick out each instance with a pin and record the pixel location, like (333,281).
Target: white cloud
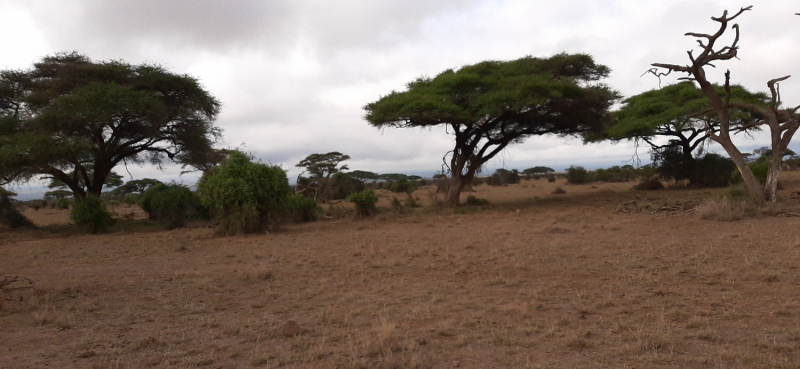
(294,75)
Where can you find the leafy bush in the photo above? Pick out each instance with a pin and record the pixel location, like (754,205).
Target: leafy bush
(343,184)
(737,193)
(503,177)
(474,201)
(551,178)
(131,199)
(90,215)
(302,209)
(62,203)
(246,196)
(171,205)
(712,170)
(403,185)
(365,203)
(577,175)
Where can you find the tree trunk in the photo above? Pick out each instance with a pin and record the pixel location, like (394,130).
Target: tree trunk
(754,189)
(454,192)
(771,185)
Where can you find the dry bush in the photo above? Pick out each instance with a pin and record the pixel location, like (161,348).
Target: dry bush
(723,209)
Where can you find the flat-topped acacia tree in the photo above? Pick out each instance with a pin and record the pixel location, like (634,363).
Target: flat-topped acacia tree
(492,104)
(678,112)
(781,122)
(73,120)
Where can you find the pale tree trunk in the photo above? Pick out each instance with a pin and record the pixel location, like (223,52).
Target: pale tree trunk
(453,196)
(754,188)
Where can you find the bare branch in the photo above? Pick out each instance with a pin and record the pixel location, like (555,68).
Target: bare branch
(725,14)
(776,98)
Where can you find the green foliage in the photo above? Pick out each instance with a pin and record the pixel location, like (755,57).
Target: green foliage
(577,175)
(365,203)
(132,199)
(63,203)
(674,112)
(246,196)
(540,170)
(474,201)
(171,205)
(302,209)
(91,216)
(503,177)
(343,184)
(76,119)
(403,185)
(57,195)
(137,186)
(737,193)
(496,103)
(551,178)
(10,217)
(320,168)
(364,176)
(712,170)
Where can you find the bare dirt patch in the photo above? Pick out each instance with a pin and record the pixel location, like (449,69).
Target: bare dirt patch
(533,280)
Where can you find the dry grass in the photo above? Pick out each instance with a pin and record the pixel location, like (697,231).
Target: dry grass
(533,280)
(723,209)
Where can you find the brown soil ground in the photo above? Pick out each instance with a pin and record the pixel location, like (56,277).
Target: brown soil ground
(534,280)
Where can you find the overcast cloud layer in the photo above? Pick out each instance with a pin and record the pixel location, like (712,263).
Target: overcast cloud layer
(294,75)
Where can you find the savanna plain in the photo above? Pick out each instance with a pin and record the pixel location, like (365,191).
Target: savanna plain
(533,280)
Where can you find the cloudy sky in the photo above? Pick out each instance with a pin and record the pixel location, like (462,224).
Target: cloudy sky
(294,75)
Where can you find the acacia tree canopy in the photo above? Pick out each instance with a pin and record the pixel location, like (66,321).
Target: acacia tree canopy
(320,168)
(489,105)
(73,119)
(679,112)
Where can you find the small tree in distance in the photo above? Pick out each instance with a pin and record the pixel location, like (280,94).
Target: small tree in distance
(320,168)
(490,105)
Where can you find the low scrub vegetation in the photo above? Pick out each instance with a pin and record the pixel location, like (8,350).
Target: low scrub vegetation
(365,203)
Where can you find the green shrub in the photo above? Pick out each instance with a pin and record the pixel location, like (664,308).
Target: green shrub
(246,196)
(170,205)
(36,205)
(503,177)
(365,203)
(62,203)
(302,209)
(577,175)
(551,178)
(403,186)
(737,193)
(474,201)
(90,215)
(712,170)
(342,184)
(131,199)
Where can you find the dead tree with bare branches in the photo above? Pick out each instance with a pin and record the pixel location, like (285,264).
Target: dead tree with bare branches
(782,122)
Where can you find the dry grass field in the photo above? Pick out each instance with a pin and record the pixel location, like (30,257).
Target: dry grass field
(534,280)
